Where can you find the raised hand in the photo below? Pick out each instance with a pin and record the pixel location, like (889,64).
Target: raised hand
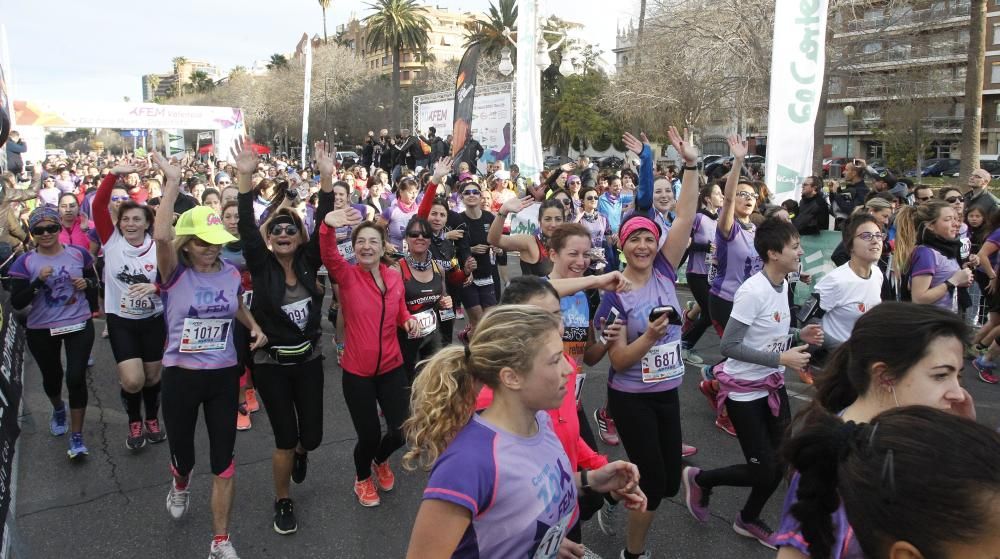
(737,146)
(171,169)
(632,143)
(246,159)
(515,205)
(341,218)
(441,169)
(683,144)
(326,158)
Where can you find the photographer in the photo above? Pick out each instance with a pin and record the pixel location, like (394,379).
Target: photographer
(854,193)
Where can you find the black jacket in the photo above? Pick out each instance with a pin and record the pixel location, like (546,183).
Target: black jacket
(813,216)
(15,164)
(409,152)
(269,277)
(851,197)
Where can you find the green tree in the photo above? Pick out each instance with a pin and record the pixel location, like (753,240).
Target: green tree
(570,114)
(278,62)
(489,33)
(396,25)
(201,82)
(324,4)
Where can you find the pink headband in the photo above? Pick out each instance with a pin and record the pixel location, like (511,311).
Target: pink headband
(636,224)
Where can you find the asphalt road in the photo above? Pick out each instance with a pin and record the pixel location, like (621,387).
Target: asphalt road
(112,503)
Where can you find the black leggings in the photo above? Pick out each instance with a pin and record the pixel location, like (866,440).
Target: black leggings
(391,392)
(47,349)
(649,426)
(293,397)
(417,350)
(699,288)
(183,392)
(760,434)
(719,309)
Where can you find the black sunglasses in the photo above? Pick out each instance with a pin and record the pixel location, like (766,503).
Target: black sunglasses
(952,199)
(590,198)
(470,193)
(417,235)
(286,228)
(45,229)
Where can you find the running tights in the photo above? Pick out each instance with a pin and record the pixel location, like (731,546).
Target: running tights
(186,391)
(760,434)
(649,426)
(47,351)
(699,288)
(293,398)
(391,392)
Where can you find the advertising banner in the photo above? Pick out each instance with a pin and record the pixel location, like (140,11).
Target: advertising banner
(305,102)
(797,74)
(11,388)
(465,97)
(492,121)
(529,86)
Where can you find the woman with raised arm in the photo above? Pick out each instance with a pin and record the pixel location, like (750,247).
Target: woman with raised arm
(373,304)
(132,306)
(288,302)
(202,297)
(533,249)
(646,365)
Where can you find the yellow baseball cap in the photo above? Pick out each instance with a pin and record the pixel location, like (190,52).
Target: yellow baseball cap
(204,223)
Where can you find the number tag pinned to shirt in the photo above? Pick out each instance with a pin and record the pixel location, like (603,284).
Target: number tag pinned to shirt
(68,329)
(446,314)
(346,250)
(426,324)
(298,312)
(663,362)
(205,335)
(780,344)
(141,306)
(483,282)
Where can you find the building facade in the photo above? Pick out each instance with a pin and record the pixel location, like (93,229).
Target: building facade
(164,85)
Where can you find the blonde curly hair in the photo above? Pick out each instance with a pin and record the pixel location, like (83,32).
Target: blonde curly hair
(444,393)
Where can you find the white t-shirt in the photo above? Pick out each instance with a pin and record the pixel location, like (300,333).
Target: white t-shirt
(845,297)
(125,265)
(757,304)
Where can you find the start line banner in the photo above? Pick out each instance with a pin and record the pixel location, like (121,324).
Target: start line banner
(11,388)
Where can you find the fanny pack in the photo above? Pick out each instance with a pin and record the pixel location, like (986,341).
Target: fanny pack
(291,354)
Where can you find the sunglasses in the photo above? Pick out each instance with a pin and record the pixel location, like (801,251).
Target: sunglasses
(417,235)
(748,195)
(589,198)
(225,183)
(869,237)
(45,229)
(924,198)
(202,243)
(286,228)
(566,202)
(119,198)
(953,199)
(471,193)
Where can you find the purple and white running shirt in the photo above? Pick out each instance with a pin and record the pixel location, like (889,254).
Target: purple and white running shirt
(199,310)
(736,259)
(58,303)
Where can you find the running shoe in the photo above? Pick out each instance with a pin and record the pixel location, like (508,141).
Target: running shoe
(645,555)
(985,369)
(57,423)
(695,497)
(706,372)
(90,361)
(299,465)
(154,434)
(723,422)
(383,474)
(366,493)
(606,518)
(710,390)
(806,375)
(284,517)
(76,446)
(691,358)
(688,323)
(756,529)
(253,406)
(606,427)
(178,499)
(463,336)
(104,333)
(136,439)
(243,418)
(223,550)
(688,450)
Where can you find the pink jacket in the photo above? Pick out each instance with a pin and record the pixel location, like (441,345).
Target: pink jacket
(76,235)
(370,316)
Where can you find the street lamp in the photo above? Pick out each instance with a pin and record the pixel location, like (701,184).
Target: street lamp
(506,66)
(542,50)
(849,113)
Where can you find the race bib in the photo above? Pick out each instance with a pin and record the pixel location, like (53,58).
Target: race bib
(580,377)
(346,250)
(205,334)
(483,282)
(247,298)
(779,344)
(446,314)
(67,329)
(663,362)
(426,324)
(298,312)
(142,306)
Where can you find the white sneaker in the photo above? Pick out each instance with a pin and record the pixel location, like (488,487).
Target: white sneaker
(645,555)
(691,358)
(223,550)
(606,518)
(177,500)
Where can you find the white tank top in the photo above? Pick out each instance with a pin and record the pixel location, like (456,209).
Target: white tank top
(124,266)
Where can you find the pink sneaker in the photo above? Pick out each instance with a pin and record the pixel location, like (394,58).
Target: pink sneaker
(606,427)
(756,529)
(688,450)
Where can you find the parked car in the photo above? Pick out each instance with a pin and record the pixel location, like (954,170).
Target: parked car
(610,162)
(342,155)
(992,166)
(554,161)
(940,167)
(706,159)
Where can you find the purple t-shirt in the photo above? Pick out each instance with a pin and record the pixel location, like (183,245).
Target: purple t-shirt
(199,310)
(789,534)
(633,308)
(994,239)
(736,259)
(703,232)
(58,303)
(928,262)
(520,490)
(398,220)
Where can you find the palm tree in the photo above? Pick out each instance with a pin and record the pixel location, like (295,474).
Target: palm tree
(201,82)
(489,33)
(396,25)
(178,62)
(324,4)
(154,84)
(278,62)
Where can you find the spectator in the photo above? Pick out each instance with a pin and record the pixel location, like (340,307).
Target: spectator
(813,215)
(979,196)
(850,196)
(15,147)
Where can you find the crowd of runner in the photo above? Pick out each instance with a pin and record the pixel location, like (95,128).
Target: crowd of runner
(212,279)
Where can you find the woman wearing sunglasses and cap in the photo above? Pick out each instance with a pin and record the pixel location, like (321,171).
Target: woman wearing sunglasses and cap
(202,296)
(52,279)
(288,372)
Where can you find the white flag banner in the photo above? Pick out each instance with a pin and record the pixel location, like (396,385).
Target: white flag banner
(797,76)
(305,103)
(529,86)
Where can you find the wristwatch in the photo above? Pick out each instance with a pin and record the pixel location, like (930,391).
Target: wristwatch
(695,167)
(585,483)
(949,284)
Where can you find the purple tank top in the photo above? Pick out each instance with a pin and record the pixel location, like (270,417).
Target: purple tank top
(57,303)
(398,219)
(789,534)
(199,310)
(736,259)
(928,262)
(702,232)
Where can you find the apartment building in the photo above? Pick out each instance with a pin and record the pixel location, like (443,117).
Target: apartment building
(163,85)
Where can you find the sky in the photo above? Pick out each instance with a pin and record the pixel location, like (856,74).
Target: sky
(99,50)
